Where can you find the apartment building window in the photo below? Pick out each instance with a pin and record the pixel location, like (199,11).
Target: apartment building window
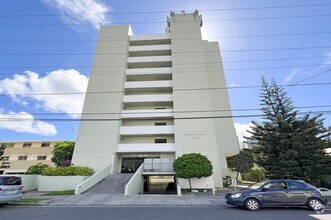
(160,141)
(160,123)
(22,157)
(41,157)
(27,144)
(45,144)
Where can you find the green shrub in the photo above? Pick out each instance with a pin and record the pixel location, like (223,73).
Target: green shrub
(68,171)
(36,169)
(255,175)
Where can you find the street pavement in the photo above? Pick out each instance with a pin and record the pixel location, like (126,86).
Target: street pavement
(191,213)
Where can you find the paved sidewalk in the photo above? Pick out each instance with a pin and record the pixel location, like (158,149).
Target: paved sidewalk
(135,200)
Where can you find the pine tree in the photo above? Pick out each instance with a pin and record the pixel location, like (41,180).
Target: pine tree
(289,146)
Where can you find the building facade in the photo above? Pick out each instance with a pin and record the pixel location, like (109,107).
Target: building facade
(20,155)
(155,97)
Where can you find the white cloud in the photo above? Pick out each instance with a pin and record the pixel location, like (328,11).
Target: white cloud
(24,123)
(241,130)
(234,85)
(78,11)
(290,76)
(59,81)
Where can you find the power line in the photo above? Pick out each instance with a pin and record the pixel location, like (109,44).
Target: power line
(212,37)
(176,118)
(163,12)
(235,69)
(160,22)
(184,52)
(198,89)
(313,76)
(151,113)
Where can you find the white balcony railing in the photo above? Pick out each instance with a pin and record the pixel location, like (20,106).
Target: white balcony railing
(149,59)
(147,98)
(146,130)
(148,113)
(158,165)
(148,84)
(149,71)
(138,148)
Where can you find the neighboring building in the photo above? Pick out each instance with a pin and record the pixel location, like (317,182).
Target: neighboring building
(156,97)
(249,144)
(20,155)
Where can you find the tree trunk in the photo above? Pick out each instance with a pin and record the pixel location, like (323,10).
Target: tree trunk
(189,180)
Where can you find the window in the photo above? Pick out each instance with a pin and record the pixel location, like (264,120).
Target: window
(160,123)
(156,108)
(10,181)
(4,158)
(160,141)
(296,185)
(276,185)
(27,144)
(22,157)
(41,157)
(45,144)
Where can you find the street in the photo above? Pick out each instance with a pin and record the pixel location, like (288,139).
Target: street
(215,212)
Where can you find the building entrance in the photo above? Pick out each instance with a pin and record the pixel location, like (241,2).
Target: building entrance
(131,164)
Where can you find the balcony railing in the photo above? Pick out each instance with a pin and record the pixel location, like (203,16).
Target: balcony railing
(158,165)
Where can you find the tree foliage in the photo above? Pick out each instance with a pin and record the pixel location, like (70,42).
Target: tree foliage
(242,162)
(36,169)
(289,146)
(63,152)
(2,149)
(192,165)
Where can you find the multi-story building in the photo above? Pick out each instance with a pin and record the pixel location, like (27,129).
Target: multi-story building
(155,97)
(20,155)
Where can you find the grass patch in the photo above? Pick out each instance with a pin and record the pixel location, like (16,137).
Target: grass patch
(30,200)
(65,192)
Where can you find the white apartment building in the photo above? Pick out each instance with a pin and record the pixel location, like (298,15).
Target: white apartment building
(152,98)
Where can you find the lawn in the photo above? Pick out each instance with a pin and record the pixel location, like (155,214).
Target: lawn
(65,192)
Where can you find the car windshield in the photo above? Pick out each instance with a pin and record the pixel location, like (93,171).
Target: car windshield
(10,181)
(256,185)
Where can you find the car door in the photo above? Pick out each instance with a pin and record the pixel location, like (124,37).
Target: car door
(275,194)
(298,192)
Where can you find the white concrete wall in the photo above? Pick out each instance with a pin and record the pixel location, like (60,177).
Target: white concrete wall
(97,141)
(29,182)
(202,183)
(136,183)
(59,183)
(211,137)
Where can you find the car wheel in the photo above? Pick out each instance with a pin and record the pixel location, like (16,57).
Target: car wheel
(3,204)
(252,204)
(126,171)
(315,204)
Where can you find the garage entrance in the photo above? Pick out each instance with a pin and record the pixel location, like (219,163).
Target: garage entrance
(131,164)
(164,184)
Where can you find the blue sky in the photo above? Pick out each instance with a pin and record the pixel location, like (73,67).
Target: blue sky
(46,73)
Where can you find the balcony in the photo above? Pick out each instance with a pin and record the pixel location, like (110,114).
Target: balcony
(144,74)
(150,39)
(148,86)
(142,100)
(149,61)
(148,113)
(151,50)
(146,130)
(157,166)
(146,148)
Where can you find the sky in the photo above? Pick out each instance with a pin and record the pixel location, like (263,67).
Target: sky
(47,46)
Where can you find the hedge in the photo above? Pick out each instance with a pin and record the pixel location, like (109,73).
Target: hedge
(68,171)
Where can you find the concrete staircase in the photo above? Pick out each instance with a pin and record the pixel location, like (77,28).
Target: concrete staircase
(112,184)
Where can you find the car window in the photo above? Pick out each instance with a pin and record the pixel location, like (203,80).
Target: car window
(10,181)
(296,185)
(276,185)
(256,185)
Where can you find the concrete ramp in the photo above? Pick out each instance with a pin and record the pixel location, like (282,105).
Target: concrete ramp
(112,184)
